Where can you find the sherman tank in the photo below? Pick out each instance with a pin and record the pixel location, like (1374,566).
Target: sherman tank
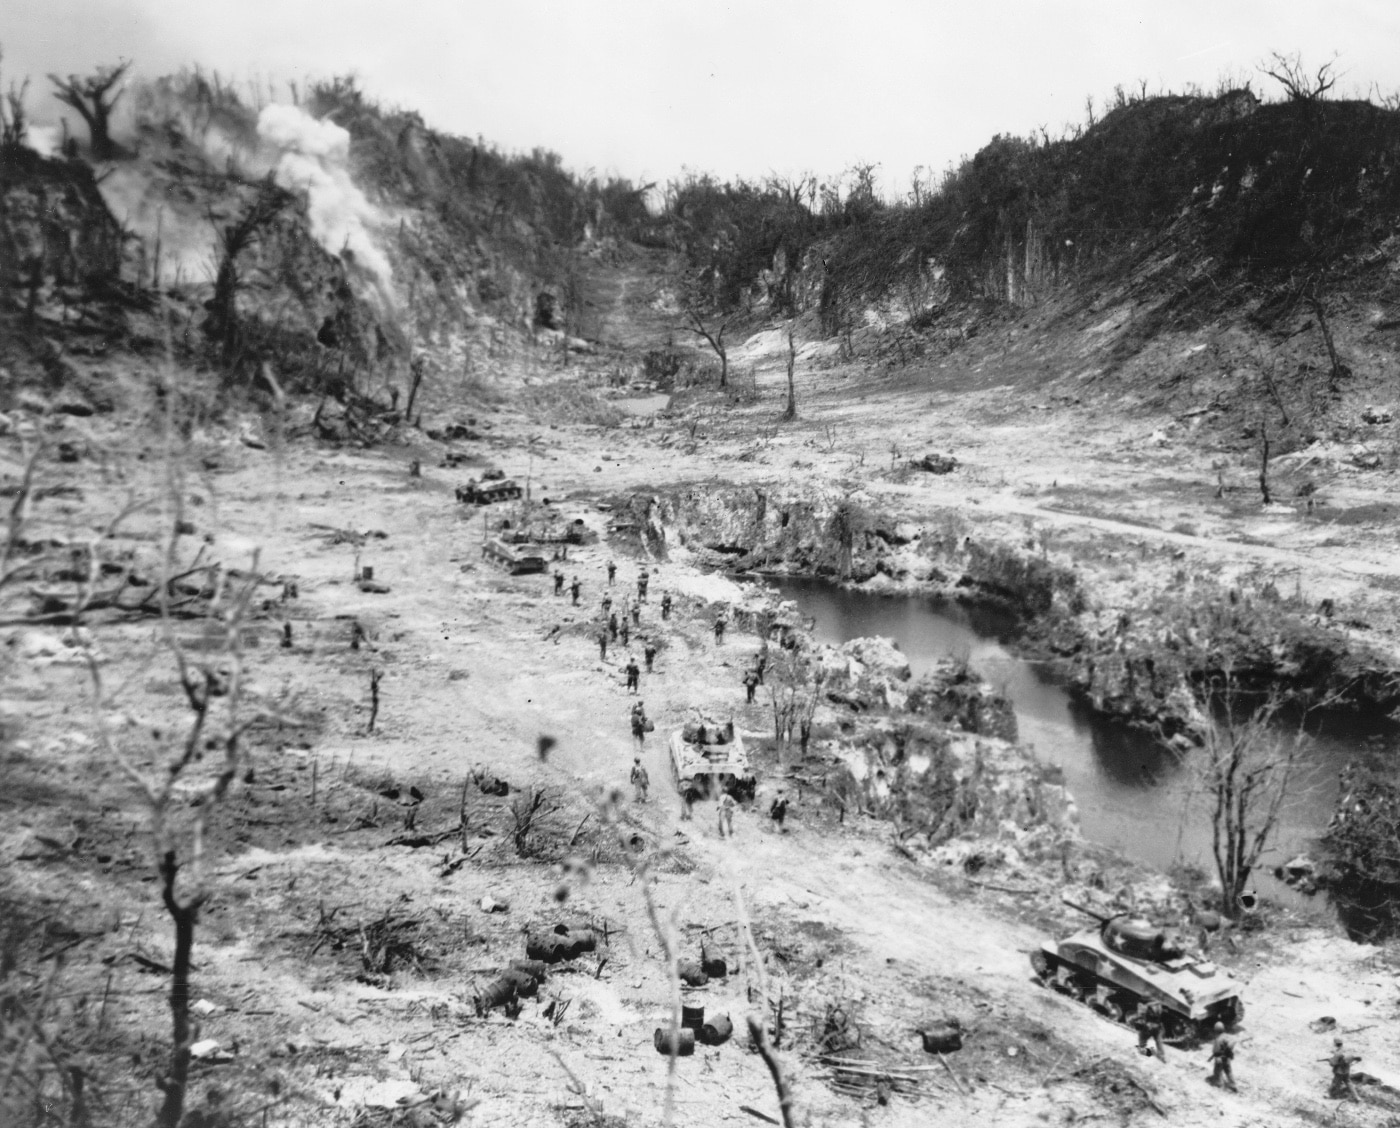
(709,758)
(1126,962)
(487,492)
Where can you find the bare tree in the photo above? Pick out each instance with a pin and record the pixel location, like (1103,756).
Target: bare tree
(794,688)
(1299,82)
(791,412)
(1264,461)
(234,238)
(1247,769)
(92,96)
(14,122)
(1312,293)
(215,700)
(707,320)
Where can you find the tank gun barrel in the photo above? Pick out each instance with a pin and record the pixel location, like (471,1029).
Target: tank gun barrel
(1086,911)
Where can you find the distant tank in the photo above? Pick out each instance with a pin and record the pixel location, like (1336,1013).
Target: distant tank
(488,493)
(709,758)
(517,559)
(1125,962)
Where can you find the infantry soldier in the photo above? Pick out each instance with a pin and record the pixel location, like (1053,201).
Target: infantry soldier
(1222,1053)
(643,578)
(1341,1063)
(726,815)
(639,779)
(1149,1023)
(760,663)
(666,605)
(607,603)
(574,589)
(612,625)
(602,645)
(778,811)
(750,682)
(639,723)
(649,653)
(626,632)
(633,675)
(636,614)
(612,571)
(720,623)
(558,581)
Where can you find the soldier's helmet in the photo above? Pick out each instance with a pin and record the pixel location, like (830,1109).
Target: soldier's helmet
(1337,1042)
(1220,1028)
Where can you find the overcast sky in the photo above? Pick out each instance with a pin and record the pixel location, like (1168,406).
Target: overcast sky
(645,87)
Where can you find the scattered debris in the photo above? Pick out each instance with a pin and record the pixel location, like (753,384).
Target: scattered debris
(936,463)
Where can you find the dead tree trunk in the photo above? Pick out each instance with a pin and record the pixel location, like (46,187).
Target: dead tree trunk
(92,98)
(175,1084)
(1264,461)
(1339,369)
(791,412)
(416,369)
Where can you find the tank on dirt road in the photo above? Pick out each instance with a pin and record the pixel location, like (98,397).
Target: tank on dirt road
(709,758)
(488,492)
(1124,962)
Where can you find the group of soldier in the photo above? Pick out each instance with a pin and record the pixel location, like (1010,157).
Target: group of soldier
(1150,1023)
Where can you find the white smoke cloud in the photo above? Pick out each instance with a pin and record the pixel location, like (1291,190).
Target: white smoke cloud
(44,139)
(312,157)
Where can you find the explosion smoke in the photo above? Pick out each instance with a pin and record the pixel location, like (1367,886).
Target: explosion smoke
(313,157)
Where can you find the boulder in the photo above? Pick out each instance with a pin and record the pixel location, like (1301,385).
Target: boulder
(1364,457)
(878,656)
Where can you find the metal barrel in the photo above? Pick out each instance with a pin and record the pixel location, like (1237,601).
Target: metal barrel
(716,1029)
(684,1041)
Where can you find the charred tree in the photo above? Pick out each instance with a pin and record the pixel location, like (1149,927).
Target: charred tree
(222,324)
(92,96)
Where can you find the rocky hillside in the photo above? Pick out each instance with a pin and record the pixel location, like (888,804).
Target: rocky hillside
(315,246)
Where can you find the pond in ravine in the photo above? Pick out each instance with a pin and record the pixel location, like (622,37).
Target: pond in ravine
(1133,793)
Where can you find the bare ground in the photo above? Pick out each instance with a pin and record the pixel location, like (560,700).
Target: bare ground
(475,670)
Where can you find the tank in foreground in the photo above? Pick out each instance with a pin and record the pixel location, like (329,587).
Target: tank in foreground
(1125,962)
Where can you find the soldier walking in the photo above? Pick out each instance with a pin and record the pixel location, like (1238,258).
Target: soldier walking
(636,614)
(574,589)
(612,625)
(602,645)
(1222,1053)
(643,578)
(1341,1063)
(612,571)
(750,683)
(1149,1023)
(726,815)
(626,632)
(640,781)
(633,675)
(607,603)
(558,582)
(666,605)
(720,623)
(639,724)
(649,653)
(778,811)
